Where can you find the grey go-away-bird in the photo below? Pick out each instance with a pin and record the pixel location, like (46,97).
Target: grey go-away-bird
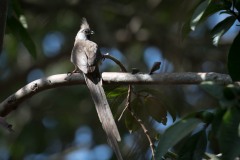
(86,57)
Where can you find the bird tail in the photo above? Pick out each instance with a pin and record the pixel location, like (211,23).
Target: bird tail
(104,111)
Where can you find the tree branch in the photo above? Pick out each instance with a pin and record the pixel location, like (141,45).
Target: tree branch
(165,78)
(59,80)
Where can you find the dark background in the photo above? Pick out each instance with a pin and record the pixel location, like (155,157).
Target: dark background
(62,123)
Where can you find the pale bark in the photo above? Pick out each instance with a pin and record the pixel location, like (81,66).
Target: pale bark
(12,102)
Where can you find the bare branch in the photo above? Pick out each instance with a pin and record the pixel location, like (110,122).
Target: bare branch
(116,61)
(59,80)
(165,78)
(12,102)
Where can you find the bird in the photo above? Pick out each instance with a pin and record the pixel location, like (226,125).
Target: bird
(87,57)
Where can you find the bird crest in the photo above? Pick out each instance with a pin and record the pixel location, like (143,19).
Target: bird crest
(84,24)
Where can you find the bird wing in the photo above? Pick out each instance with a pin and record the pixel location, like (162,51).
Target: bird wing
(85,55)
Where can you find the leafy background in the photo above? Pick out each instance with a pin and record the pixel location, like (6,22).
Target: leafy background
(184,35)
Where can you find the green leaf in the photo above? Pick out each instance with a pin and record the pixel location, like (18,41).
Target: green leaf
(185,28)
(156,109)
(174,134)
(215,127)
(21,33)
(117,96)
(221,28)
(212,156)
(19,13)
(162,99)
(229,139)
(194,147)
(130,122)
(198,13)
(212,7)
(213,89)
(138,109)
(217,121)
(234,59)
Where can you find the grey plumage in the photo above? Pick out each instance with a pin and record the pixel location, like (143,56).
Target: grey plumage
(86,57)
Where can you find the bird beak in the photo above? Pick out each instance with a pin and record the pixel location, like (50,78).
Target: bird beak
(92,32)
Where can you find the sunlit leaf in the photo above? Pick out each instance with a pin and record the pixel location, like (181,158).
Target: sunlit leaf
(221,28)
(197,15)
(19,13)
(23,21)
(174,134)
(200,14)
(229,139)
(117,96)
(212,156)
(185,28)
(213,7)
(21,33)
(116,92)
(234,59)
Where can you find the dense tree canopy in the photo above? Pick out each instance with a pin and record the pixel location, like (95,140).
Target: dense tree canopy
(185,36)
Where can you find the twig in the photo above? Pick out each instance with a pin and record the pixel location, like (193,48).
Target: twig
(123,69)
(127,102)
(128,107)
(144,130)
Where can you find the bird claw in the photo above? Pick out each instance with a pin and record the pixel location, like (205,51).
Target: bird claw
(74,71)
